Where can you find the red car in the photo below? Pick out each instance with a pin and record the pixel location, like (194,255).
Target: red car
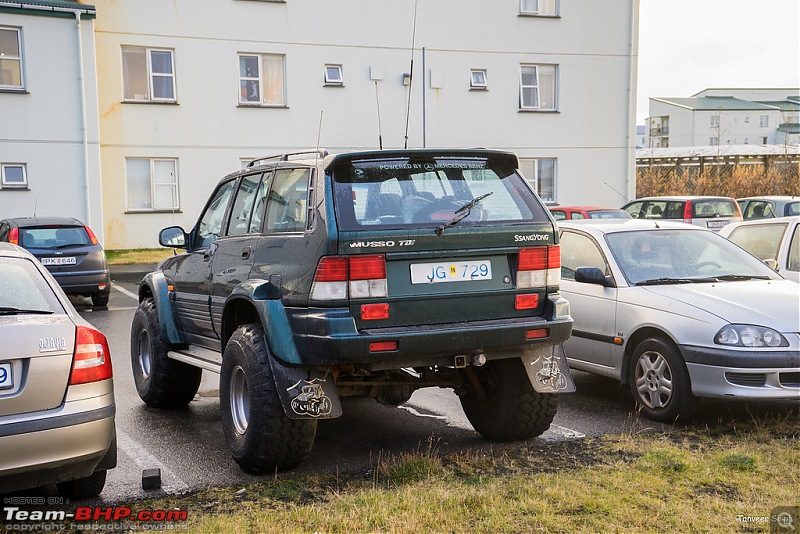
(566,213)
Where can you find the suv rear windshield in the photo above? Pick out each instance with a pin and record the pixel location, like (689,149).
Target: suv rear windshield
(399,192)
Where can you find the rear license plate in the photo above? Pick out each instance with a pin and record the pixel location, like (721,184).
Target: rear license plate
(457,271)
(717,224)
(67,260)
(6,377)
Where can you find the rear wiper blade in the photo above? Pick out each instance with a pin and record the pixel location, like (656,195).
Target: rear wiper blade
(67,245)
(461,213)
(736,277)
(9,310)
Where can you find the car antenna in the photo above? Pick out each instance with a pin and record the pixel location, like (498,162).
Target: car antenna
(411,73)
(35,205)
(378,103)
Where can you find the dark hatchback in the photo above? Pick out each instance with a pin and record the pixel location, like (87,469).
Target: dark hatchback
(68,249)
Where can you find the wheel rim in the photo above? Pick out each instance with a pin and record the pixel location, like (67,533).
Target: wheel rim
(240,400)
(654,380)
(145,360)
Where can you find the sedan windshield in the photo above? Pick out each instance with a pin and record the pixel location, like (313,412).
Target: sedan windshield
(655,257)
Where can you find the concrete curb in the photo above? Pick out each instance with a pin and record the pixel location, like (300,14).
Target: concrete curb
(131,273)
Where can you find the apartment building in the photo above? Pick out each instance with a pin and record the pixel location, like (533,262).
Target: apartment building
(49,125)
(726,117)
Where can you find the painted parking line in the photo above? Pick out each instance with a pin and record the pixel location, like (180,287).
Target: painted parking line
(170,482)
(125,292)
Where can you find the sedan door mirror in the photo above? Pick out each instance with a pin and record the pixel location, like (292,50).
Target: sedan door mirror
(771,263)
(173,236)
(593,275)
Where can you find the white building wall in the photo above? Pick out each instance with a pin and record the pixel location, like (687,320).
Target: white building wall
(591,134)
(43,127)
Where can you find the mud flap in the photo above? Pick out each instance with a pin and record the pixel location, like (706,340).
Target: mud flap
(306,393)
(548,370)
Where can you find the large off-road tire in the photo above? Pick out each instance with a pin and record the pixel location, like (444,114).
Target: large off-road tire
(160,381)
(260,436)
(83,488)
(660,383)
(511,409)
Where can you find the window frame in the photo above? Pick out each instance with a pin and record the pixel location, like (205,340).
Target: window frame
(5,184)
(477,85)
(534,180)
(20,58)
(538,87)
(525,11)
(151,75)
(334,82)
(174,185)
(260,80)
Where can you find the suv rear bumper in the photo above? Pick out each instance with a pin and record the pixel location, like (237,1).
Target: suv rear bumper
(326,337)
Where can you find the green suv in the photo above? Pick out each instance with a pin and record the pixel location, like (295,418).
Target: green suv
(310,277)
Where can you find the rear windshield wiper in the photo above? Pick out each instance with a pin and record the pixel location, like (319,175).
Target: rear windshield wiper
(462,213)
(67,245)
(737,277)
(9,310)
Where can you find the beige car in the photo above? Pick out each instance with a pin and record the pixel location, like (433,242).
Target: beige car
(56,391)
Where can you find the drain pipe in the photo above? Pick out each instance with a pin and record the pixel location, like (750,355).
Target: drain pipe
(85,134)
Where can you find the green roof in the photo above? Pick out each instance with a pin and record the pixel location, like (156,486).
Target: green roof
(716,103)
(52,8)
(790,128)
(784,105)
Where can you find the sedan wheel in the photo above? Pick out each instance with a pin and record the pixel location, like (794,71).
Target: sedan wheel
(659,381)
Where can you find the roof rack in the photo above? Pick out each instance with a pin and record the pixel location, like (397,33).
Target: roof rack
(285,157)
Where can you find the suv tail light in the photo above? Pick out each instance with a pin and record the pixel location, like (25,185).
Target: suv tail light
(687,212)
(539,267)
(92,359)
(13,236)
(342,277)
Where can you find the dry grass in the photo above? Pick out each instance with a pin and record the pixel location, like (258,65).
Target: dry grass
(138,256)
(682,481)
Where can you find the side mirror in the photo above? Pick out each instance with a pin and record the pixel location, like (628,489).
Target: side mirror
(173,236)
(593,275)
(771,263)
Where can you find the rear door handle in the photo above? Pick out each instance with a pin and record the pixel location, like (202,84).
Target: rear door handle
(246,251)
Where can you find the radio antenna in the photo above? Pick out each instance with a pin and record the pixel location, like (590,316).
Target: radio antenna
(411,73)
(378,103)
(35,204)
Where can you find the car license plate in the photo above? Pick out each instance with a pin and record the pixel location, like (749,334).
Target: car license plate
(6,376)
(66,260)
(457,271)
(717,224)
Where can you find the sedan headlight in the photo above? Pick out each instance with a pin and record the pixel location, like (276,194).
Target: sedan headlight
(745,335)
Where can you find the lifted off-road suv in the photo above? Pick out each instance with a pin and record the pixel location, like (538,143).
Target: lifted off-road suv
(311,277)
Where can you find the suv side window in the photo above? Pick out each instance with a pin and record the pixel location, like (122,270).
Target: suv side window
(242,211)
(210,225)
(793,262)
(4,227)
(287,202)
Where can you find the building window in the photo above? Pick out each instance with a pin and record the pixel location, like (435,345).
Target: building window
(477,79)
(713,141)
(541,174)
(333,75)
(538,7)
(148,74)
(537,87)
(714,121)
(764,121)
(764,140)
(152,184)
(11,58)
(13,176)
(261,79)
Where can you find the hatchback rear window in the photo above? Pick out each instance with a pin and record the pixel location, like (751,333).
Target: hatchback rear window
(714,208)
(400,193)
(23,287)
(54,237)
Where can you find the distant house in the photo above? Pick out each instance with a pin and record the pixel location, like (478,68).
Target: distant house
(49,126)
(186,97)
(721,117)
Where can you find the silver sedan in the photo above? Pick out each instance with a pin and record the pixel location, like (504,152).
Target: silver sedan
(677,312)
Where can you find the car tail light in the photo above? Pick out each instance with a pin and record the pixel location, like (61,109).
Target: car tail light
(374,312)
(341,277)
(92,359)
(526,302)
(383,346)
(539,267)
(538,333)
(13,236)
(687,212)
(91,235)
